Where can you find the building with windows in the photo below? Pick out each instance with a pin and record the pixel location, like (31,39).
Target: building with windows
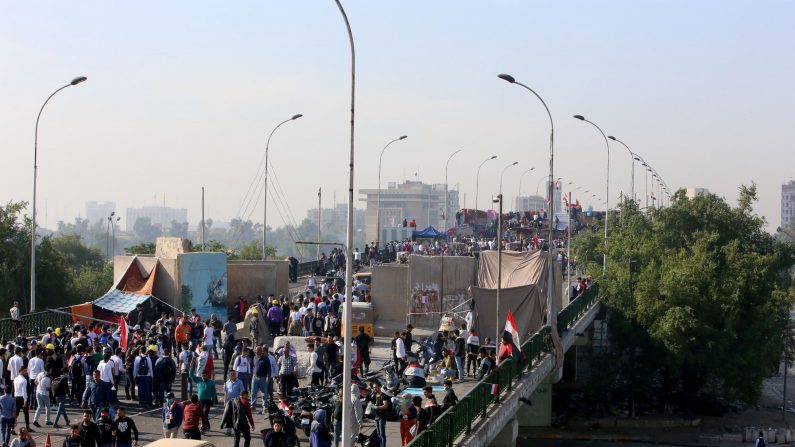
(788,204)
(159,215)
(530,203)
(693,192)
(409,200)
(99,211)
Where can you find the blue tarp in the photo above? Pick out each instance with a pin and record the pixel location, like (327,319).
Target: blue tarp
(117,301)
(429,232)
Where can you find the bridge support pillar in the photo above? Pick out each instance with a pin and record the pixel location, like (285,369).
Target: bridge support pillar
(539,414)
(507,437)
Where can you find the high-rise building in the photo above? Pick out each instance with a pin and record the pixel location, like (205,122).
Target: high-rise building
(159,215)
(530,203)
(409,200)
(788,204)
(692,192)
(99,211)
(336,217)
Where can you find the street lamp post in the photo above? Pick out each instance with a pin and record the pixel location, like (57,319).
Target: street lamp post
(607,187)
(551,312)
(499,250)
(110,221)
(378,209)
(632,160)
(446,202)
(74,81)
(347,405)
(477,180)
(265,190)
(519,194)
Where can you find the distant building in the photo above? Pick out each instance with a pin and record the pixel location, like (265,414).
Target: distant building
(788,204)
(336,217)
(99,211)
(159,215)
(693,192)
(530,203)
(409,200)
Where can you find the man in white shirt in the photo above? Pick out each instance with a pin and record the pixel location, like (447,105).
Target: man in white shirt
(21,393)
(243,367)
(400,353)
(120,372)
(107,370)
(208,339)
(15,363)
(43,385)
(36,365)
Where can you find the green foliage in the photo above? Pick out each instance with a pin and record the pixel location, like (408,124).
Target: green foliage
(67,271)
(709,305)
(144,248)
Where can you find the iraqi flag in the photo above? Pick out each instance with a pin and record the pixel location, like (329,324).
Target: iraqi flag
(511,344)
(123,330)
(285,408)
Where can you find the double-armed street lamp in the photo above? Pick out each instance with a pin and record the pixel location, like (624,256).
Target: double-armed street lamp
(73,82)
(265,186)
(378,209)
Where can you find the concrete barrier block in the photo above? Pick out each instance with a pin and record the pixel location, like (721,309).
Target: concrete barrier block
(732,437)
(770,435)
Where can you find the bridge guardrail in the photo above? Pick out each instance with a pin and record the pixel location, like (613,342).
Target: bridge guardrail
(473,405)
(34,324)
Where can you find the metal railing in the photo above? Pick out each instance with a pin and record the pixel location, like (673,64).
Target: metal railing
(576,308)
(473,405)
(34,324)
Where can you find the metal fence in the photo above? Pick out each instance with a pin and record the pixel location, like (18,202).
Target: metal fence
(459,419)
(34,324)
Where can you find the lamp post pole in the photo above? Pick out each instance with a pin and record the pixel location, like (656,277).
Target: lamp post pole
(477,180)
(74,81)
(113,231)
(499,252)
(446,202)
(378,209)
(607,187)
(551,311)
(632,160)
(520,187)
(347,405)
(110,220)
(265,190)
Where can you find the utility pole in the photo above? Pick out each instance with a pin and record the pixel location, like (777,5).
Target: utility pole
(497,338)
(319,193)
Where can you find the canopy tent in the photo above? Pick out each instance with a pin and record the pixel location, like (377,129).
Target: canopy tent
(428,233)
(120,302)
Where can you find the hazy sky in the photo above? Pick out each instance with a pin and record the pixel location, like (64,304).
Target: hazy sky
(183,94)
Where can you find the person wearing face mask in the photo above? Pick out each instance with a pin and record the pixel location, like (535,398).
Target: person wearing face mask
(172,417)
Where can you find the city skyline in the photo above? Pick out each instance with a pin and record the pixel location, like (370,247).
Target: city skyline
(190,101)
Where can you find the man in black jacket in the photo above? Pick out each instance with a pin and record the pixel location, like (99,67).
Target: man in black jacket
(106,429)
(89,431)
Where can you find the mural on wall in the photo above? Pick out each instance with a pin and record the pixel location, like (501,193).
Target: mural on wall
(425,299)
(203,280)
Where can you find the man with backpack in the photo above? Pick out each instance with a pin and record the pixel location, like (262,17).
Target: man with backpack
(76,370)
(166,372)
(60,389)
(142,374)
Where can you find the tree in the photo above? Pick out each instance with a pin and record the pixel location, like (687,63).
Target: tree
(178,229)
(146,248)
(145,230)
(710,301)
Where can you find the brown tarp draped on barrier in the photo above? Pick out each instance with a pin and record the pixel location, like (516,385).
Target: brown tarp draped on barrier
(524,282)
(527,303)
(134,281)
(518,268)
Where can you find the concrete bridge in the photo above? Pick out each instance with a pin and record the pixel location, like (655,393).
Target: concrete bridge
(482,419)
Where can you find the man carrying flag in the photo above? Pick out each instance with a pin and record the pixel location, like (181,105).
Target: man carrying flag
(511,344)
(123,330)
